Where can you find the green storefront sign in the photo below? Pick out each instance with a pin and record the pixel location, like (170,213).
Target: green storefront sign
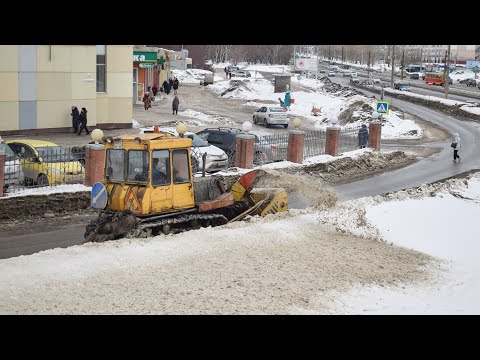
(146,65)
(144,56)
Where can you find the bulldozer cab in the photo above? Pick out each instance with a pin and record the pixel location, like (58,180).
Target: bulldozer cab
(149,173)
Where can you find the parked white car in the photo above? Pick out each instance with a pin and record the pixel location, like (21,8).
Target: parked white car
(13,169)
(241,73)
(216,159)
(271,115)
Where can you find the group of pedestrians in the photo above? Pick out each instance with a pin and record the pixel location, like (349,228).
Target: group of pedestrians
(172,83)
(79,120)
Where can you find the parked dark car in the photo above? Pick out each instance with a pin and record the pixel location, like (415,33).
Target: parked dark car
(471,82)
(414,77)
(465,81)
(225,139)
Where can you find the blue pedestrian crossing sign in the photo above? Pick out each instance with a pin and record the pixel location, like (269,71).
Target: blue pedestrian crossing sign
(98,198)
(382,107)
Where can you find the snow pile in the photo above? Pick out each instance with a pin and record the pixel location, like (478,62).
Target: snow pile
(135,124)
(269,68)
(338,102)
(438,219)
(192,76)
(463,75)
(205,119)
(49,190)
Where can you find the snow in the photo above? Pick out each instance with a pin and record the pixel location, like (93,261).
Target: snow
(135,124)
(454,103)
(332,106)
(192,76)
(269,68)
(462,75)
(204,118)
(443,226)
(49,190)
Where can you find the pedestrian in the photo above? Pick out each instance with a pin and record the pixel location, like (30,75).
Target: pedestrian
(287,99)
(165,86)
(83,122)
(146,100)
(175,86)
(75,115)
(170,82)
(155,89)
(229,74)
(226,72)
(456,145)
(363,136)
(175,104)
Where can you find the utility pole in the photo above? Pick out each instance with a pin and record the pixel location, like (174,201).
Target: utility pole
(342,55)
(393,66)
(329,53)
(369,64)
(447,71)
(403,64)
(316,74)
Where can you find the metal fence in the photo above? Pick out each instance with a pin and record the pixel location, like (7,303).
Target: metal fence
(45,166)
(314,143)
(348,139)
(267,149)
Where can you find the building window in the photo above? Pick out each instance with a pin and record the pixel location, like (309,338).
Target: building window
(101,68)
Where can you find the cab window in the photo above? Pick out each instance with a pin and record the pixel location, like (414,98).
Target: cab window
(160,167)
(115,167)
(138,165)
(181,168)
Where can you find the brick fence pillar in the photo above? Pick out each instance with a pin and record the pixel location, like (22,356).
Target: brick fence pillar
(374,134)
(245,149)
(333,140)
(2,172)
(94,163)
(296,141)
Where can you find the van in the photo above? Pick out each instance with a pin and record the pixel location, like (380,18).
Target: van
(13,169)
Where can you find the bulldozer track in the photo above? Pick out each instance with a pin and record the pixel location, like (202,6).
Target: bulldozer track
(178,224)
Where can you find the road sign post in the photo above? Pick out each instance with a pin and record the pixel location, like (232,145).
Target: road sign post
(382,107)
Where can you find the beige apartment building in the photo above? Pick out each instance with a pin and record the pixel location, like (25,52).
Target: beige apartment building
(40,83)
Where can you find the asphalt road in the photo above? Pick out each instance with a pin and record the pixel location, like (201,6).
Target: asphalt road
(456,91)
(25,244)
(436,167)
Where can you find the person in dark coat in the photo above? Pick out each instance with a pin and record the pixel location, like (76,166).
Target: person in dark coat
(166,87)
(75,115)
(83,121)
(363,136)
(175,86)
(155,89)
(170,82)
(175,104)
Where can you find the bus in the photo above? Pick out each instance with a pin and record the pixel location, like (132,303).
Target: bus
(415,69)
(433,78)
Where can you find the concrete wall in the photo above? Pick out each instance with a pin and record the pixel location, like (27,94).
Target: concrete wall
(9,87)
(40,83)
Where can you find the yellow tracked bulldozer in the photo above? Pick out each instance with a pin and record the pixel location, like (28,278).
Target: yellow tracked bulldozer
(149,189)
